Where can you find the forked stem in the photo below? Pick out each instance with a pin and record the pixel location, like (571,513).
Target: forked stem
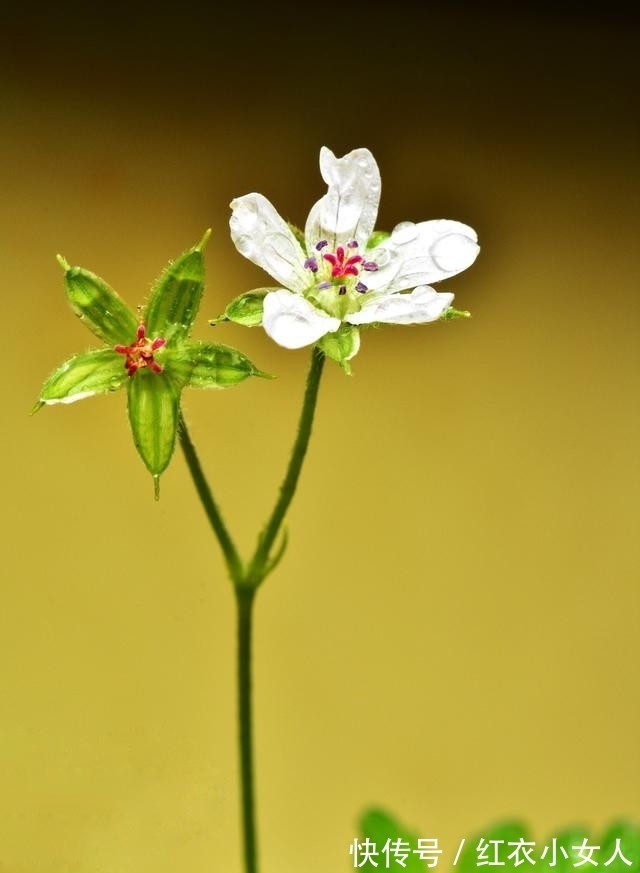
(247,578)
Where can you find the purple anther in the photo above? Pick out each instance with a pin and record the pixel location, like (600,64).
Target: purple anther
(320,245)
(343,289)
(352,244)
(323,286)
(361,288)
(369,266)
(311,264)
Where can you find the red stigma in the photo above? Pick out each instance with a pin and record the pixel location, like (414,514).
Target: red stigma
(342,266)
(140,353)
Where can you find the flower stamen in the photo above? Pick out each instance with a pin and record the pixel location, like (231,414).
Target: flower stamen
(339,269)
(140,353)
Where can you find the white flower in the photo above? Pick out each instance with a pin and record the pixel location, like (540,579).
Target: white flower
(342,276)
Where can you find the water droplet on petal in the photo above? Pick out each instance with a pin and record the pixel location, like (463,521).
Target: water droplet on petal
(404,233)
(454,252)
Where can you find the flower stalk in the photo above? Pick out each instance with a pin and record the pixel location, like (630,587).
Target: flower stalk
(244,610)
(220,531)
(262,563)
(247,578)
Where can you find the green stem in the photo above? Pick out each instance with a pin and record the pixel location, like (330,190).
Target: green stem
(247,579)
(259,566)
(216,521)
(244,603)
(245,594)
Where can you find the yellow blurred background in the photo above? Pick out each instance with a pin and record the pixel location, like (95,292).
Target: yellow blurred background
(453,633)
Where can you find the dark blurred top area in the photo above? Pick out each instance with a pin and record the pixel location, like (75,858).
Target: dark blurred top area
(340,59)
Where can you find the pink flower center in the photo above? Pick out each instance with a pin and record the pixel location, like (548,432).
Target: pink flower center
(341,265)
(340,268)
(140,353)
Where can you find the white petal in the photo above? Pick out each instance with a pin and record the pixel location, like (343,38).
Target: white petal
(417,254)
(293,322)
(265,238)
(350,207)
(424,304)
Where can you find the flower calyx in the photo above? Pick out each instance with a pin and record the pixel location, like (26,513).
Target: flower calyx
(160,358)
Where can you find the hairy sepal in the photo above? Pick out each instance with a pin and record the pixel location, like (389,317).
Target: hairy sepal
(246,309)
(98,306)
(100,371)
(154,405)
(176,295)
(341,345)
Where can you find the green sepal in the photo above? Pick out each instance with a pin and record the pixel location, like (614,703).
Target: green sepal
(451,313)
(98,306)
(245,309)
(299,235)
(176,294)
(341,345)
(377,238)
(210,365)
(96,372)
(153,415)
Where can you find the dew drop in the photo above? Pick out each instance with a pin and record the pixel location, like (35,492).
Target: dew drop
(454,252)
(404,233)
